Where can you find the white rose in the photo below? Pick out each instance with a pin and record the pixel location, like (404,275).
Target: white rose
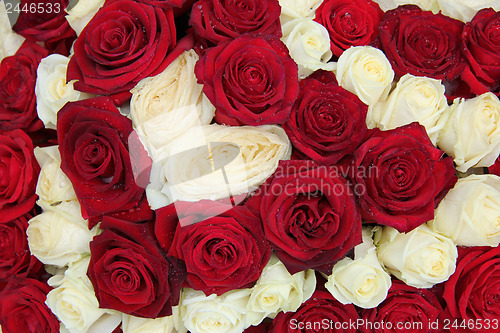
(60,235)
(464,10)
(165,106)
(9,40)
(73,300)
(420,258)
(214,314)
(431,5)
(415,98)
(51,89)
(309,45)
(470,212)
(472,132)
(80,15)
(362,281)
(277,290)
(169,324)
(53,185)
(291,9)
(366,72)
(238,160)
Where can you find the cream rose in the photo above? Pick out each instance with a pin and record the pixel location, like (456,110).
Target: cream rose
(309,45)
(366,72)
(415,98)
(74,303)
(215,162)
(59,235)
(51,89)
(362,281)
(464,10)
(170,324)
(291,9)
(53,185)
(80,15)
(277,290)
(431,5)
(470,212)
(213,314)
(420,258)
(472,133)
(9,40)
(165,106)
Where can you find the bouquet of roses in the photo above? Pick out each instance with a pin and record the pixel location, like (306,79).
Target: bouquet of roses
(249,165)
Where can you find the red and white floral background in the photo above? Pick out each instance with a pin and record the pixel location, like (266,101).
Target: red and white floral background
(249,165)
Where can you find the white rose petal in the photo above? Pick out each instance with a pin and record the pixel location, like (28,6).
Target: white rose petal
(80,15)
(291,9)
(472,132)
(169,324)
(277,290)
(59,235)
(431,5)
(9,40)
(362,281)
(420,258)
(414,98)
(73,300)
(309,45)
(215,162)
(470,212)
(165,106)
(366,72)
(464,10)
(53,185)
(214,314)
(51,89)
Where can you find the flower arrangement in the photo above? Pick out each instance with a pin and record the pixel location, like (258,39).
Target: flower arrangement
(249,166)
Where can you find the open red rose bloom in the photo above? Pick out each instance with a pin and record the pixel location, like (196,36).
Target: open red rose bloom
(249,166)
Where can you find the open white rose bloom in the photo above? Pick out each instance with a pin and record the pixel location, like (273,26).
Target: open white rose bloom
(420,258)
(9,40)
(415,98)
(165,106)
(52,91)
(472,132)
(80,15)
(291,9)
(464,10)
(470,212)
(277,290)
(361,281)
(366,72)
(215,162)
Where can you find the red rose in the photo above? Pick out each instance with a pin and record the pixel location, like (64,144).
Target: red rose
(495,168)
(45,21)
(130,273)
(320,313)
(18,175)
(400,177)
(327,122)
(309,215)
(472,293)
(250,80)
(481,46)
(223,251)
(94,145)
(349,22)
(422,43)
(125,42)
(23,309)
(17,89)
(418,309)
(219,20)
(15,256)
